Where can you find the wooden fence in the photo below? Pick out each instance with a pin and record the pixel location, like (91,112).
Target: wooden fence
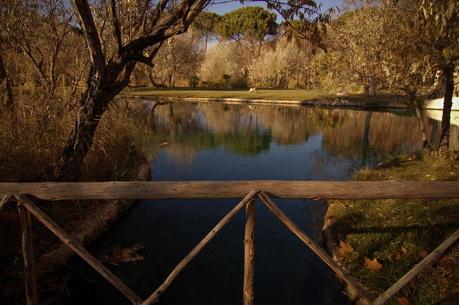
(25,196)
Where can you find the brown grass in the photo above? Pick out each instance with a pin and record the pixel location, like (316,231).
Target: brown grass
(32,141)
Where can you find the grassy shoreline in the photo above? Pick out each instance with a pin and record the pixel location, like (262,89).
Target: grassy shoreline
(269,94)
(379,241)
(293,96)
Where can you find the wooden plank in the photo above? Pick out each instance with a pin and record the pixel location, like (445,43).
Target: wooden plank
(154,297)
(249,254)
(5,200)
(426,262)
(78,249)
(30,277)
(309,242)
(235,189)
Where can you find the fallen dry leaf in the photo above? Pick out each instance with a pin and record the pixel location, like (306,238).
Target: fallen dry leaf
(372,264)
(125,255)
(403,301)
(345,249)
(401,253)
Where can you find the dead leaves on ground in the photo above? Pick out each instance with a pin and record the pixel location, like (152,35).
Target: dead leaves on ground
(403,301)
(373,264)
(401,253)
(125,255)
(345,249)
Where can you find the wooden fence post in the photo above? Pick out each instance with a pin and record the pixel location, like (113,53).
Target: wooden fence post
(154,297)
(249,253)
(30,278)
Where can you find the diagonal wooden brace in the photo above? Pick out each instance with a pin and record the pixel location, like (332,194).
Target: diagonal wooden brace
(309,242)
(154,297)
(76,246)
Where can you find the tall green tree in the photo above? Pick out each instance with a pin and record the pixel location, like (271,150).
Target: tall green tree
(247,22)
(205,24)
(250,25)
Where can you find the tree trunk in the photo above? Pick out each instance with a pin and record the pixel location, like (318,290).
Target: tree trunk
(426,142)
(101,89)
(448,73)
(6,84)
(372,86)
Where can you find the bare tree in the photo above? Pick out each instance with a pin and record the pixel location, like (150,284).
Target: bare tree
(119,34)
(39,28)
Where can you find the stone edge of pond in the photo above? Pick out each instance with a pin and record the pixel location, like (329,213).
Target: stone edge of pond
(86,233)
(325,102)
(331,244)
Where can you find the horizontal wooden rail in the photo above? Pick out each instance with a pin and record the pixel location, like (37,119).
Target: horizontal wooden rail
(235,189)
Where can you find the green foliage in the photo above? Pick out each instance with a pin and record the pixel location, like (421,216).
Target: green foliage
(194,81)
(380,46)
(249,22)
(206,22)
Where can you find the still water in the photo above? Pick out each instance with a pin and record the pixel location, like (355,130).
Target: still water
(240,142)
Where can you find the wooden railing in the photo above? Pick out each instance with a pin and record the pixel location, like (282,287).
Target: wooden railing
(25,194)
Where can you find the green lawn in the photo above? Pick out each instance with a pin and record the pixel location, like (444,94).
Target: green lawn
(397,234)
(382,100)
(269,94)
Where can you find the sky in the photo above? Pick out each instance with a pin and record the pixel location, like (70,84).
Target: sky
(229,6)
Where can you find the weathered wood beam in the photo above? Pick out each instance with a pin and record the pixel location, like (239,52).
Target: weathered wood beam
(4,201)
(249,254)
(309,242)
(426,262)
(76,246)
(235,189)
(30,277)
(154,297)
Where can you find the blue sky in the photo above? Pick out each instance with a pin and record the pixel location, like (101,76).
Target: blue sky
(226,7)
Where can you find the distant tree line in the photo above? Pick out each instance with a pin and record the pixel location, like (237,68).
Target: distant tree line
(407,47)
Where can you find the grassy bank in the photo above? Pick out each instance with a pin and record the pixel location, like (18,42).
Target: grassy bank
(318,97)
(269,94)
(379,241)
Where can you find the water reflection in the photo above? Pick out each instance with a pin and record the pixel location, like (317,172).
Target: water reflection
(351,135)
(185,141)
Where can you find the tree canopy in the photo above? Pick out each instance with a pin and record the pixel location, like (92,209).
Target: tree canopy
(248,22)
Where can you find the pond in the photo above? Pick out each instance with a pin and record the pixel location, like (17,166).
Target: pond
(214,141)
